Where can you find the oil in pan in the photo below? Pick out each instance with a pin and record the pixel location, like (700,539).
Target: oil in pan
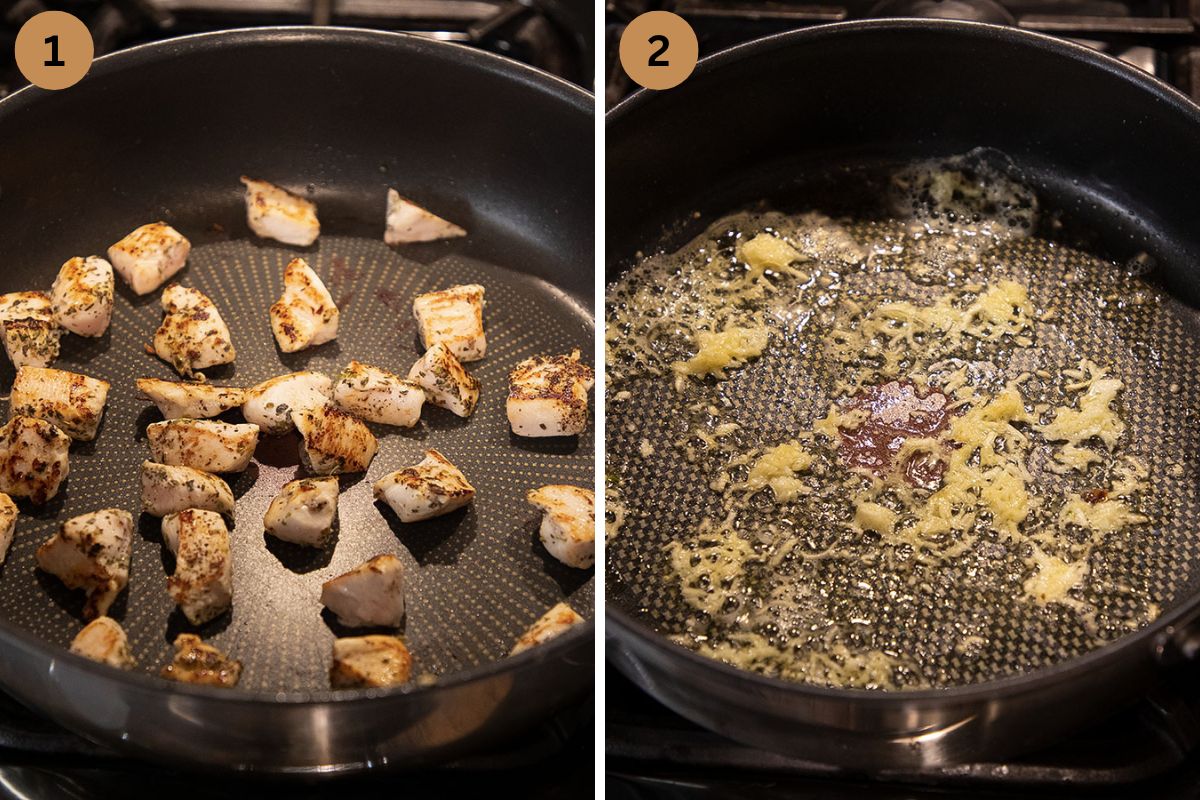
(918,448)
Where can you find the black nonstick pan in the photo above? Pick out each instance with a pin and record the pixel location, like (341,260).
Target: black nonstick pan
(797,120)
(163,132)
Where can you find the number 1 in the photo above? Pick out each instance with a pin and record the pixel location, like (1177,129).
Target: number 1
(54,62)
(663,44)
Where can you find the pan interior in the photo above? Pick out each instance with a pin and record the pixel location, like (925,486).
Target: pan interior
(475,579)
(826,601)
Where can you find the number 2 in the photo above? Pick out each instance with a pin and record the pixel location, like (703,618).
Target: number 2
(54,62)
(663,44)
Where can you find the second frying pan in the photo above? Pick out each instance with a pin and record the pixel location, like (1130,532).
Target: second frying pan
(790,119)
(163,132)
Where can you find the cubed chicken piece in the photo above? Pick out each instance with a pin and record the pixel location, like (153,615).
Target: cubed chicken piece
(270,404)
(377,395)
(304,511)
(554,622)
(445,382)
(92,552)
(429,489)
(369,661)
(200,663)
(82,296)
(177,399)
(148,257)
(8,524)
(202,444)
(568,523)
(371,594)
(548,396)
(453,317)
(33,458)
(275,213)
(305,316)
(73,402)
(31,336)
(334,442)
(407,222)
(192,335)
(169,490)
(104,640)
(202,585)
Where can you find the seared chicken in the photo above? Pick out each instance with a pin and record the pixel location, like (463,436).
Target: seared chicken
(367,661)
(82,296)
(408,222)
(202,444)
(445,382)
(73,402)
(192,335)
(305,316)
(554,622)
(202,585)
(177,399)
(104,640)
(371,594)
(429,489)
(270,404)
(148,257)
(33,458)
(548,396)
(200,663)
(377,395)
(334,442)
(453,317)
(569,523)
(303,512)
(168,490)
(275,213)
(91,552)
(8,524)
(30,333)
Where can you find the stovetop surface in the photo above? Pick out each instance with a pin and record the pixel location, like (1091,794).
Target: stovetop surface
(39,761)
(1150,749)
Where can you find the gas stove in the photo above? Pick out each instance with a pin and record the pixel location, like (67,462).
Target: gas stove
(553,35)
(1149,748)
(1158,36)
(38,759)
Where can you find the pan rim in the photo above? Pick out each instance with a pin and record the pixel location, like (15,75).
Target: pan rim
(530,76)
(1153,635)
(576,98)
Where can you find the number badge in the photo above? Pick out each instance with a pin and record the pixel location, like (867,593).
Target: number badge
(54,50)
(659,50)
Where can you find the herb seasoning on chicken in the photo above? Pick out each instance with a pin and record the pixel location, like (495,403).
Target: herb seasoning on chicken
(177,399)
(568,529)
(377,395)
(453,317)
(369,661)
(168,490)
(305,316)
(73,402)
(149,256)
(270,404)
(304,511)
(104,640)
(431,488)
(554,622)
(31,336)
(202,444)
(33,458)
(202,664)
(334,442)
(275,213)
(548,396)
(82,296)
(192,335)
(91,552)
(445,382)
(202,584)
(407,223)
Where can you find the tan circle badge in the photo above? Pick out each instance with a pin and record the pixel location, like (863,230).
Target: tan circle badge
(54,50)
(659,50)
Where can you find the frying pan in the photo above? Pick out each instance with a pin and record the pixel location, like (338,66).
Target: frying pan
(163,132)
(793,119)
